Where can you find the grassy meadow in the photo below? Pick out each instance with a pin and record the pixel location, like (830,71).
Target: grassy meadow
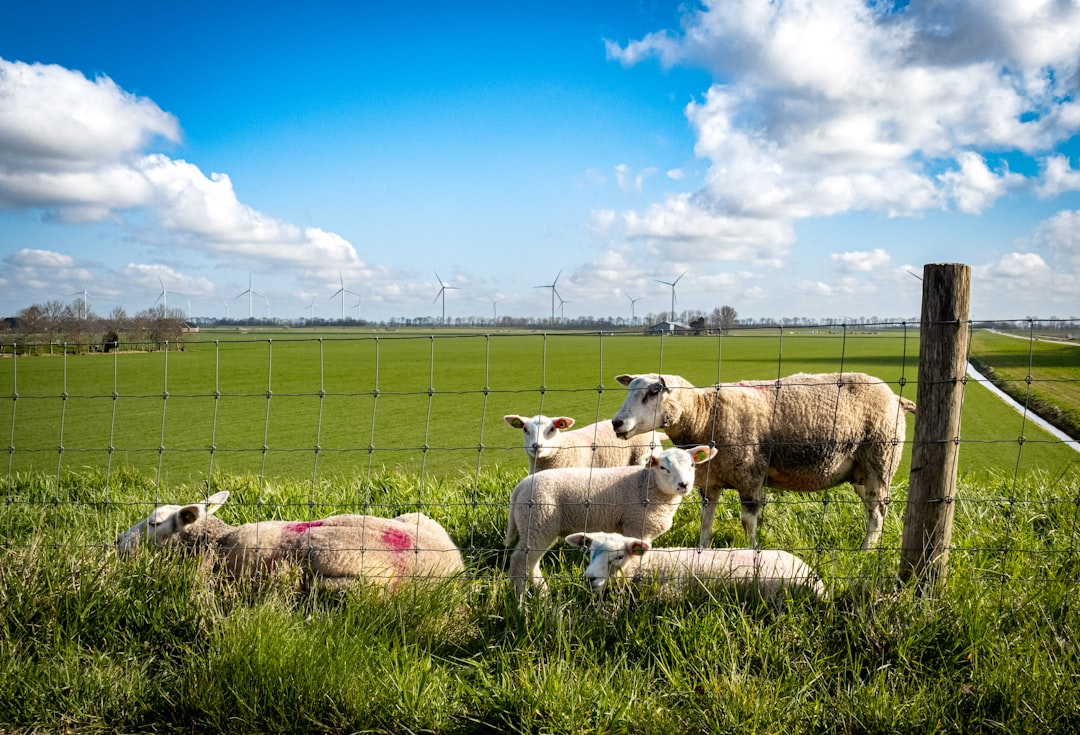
(296,405)
(91,643)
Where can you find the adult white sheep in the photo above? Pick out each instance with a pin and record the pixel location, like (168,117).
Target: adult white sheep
(772,575)
(331,552)
(548,444)
(632,500)
(803,433)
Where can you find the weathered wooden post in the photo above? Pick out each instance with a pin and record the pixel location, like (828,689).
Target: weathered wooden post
(943,346)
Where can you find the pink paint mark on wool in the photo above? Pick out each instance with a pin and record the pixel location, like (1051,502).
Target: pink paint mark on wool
(397,540)
(301,526)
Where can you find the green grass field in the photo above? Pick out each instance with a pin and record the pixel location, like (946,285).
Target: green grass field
(1043,375)
(412,402)
(90,643)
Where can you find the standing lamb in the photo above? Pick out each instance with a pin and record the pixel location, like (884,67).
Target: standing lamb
(802,433)
(331,552)
(632,500)
(769,574)
(548,444)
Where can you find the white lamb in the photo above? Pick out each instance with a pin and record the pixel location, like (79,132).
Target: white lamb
(331,553)
(802,433)
(772,575)
(632,500)
(548,444)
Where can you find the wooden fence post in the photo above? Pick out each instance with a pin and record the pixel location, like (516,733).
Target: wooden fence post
(943,346)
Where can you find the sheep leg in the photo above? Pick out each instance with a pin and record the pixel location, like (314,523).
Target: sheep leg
(875,497)
(525,568)
(752,502)
(709,500)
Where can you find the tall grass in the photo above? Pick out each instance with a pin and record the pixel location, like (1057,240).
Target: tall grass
(91,643)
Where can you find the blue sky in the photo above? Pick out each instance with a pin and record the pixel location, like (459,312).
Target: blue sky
(793,158)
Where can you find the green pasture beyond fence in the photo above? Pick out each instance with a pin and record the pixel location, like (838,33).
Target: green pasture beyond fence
(296,405)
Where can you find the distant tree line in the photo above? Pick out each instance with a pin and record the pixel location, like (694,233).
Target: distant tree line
(74,327)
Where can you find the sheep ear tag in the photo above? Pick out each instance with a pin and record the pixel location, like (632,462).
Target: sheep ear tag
(700,455)
(638,548)
(562,423)
(514,422)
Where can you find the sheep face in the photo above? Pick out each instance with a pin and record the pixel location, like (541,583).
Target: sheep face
(541,433)
(608,554)
(674,468)
(647,406)
(164,522)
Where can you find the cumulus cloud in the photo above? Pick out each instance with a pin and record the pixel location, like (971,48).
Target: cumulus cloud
(79,149)
(861,262)
(1061,236)
(1049,272)
(829,106)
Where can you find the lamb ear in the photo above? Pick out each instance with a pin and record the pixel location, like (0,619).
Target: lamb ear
(215,501)
(515,421)
(638,547)
(624,379)
(702,454)
(562,422)
(578,539)
(190,513)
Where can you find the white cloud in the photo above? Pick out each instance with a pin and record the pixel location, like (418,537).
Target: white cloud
(860,261)
(1058,176)
(679,228)
(829,106)
(630,180)
(974,187)
(78,149)
(1061,236)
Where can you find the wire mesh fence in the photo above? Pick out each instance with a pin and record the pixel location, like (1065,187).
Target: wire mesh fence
(299,427)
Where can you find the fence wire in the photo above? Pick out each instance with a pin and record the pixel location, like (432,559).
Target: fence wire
(300,428)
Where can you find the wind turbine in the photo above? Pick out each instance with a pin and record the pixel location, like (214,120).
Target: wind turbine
(554,293)
(632,302)
(250,291)
(442,292)
(85,306)
(312,307)
(163,297)
(228,316)
(562,303)
(672,284)
(494,311)
(342,291)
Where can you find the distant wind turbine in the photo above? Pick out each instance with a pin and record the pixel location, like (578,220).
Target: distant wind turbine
(632,302)
(554,293)
(163,297)
(672,284)
(312,307)
(85,305)
(562,303)
(342,291)
(494,311)
(227,314)
(249,293)
(443,288)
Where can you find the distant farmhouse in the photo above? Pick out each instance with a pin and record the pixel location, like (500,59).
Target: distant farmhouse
(670,328)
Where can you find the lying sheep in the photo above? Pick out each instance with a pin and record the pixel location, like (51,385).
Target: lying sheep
(548,444)
(331,552)
(768,574)
(633,500)
(801,433)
